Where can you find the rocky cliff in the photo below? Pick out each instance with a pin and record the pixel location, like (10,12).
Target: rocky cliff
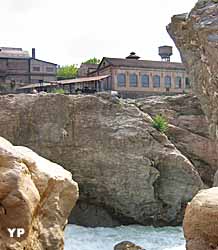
(188,130)
(195,35)
(35,200)
(127,171)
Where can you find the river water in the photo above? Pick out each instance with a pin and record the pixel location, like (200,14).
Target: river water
(83,238)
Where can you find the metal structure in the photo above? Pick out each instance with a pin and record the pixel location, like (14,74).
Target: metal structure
(165,52)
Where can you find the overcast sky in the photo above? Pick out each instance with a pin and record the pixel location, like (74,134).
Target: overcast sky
(71,31)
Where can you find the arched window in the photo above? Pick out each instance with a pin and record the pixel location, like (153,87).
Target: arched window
(167,81)
(187,83)
(178,82)
(156,81)
(121,80)
(145,81)
(133,80)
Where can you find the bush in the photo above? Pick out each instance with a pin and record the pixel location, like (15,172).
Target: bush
(160,123)
(58,91)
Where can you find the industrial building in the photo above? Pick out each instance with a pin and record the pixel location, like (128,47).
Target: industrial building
(133,77)
(18,68)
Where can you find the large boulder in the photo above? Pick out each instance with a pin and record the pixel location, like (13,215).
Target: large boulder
(201,221)
(188,130)
(195,35)
(36,197)
(127,171)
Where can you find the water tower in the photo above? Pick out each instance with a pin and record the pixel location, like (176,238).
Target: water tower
(165,52)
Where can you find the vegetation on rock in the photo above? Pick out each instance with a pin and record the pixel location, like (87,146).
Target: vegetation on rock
(160,123)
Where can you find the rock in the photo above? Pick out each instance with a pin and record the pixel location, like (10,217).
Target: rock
(196,38)
(200,222)
(188,130)
(35,195)
(125,168)
(127,245)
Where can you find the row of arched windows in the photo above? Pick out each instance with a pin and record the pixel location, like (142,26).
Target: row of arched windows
(145,81)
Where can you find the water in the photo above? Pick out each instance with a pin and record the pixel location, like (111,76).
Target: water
(83,238)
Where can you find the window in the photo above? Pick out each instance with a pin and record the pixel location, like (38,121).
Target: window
(133,80)
(145,81)
(187,83)
(178,82)
(37,69)
(49,69)
(156,81)
(167,81)
(121,80)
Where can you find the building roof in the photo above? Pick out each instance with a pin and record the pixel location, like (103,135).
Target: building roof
(83,79)
(6,52)
(43,61)
(18,53)
(134,63)
(37,85)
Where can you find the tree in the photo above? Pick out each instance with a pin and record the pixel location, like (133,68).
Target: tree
(67,71)
(93,60)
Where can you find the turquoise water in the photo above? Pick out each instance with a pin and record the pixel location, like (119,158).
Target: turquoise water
(83,238)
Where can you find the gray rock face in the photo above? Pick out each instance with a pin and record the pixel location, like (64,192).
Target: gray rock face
(195,35)
(188,130)
(122,164)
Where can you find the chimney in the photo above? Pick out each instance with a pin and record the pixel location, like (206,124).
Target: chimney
(33,53)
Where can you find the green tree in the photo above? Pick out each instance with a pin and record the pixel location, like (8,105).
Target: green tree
(93,60)
(160,123)
(67,71)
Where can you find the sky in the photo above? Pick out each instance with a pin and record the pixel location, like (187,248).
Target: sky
(72,31)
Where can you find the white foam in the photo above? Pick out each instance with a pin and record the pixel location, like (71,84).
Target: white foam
(83,238)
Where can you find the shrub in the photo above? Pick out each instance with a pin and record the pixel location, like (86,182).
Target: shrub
(160,123)
(58,91)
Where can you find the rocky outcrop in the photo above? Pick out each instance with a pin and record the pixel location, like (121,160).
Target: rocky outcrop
(126,170)
(200,222)
(188,130)
(36,197)
(195,35)
(127,245)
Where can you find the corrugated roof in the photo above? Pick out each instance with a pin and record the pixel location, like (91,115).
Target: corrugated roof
(76,80)
(120,62)
(83,79)
(37,85)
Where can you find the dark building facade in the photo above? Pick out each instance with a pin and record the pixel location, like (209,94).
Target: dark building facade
(18,68)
